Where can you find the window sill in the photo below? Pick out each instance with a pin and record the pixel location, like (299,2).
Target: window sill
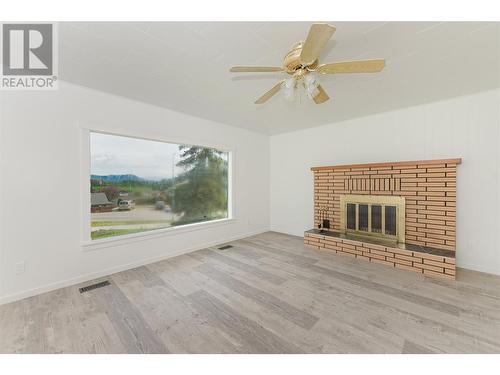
(156,233)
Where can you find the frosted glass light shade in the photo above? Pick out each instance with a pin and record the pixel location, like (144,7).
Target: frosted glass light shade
(312,91)
(289,83)
(311,80)
(289,94)
(309,83)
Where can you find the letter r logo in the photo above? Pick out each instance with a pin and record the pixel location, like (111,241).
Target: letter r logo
(27,49)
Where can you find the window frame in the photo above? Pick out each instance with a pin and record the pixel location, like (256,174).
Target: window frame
(85,163)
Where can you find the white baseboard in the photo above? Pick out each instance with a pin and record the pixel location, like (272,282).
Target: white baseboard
(479,268)
(109,271)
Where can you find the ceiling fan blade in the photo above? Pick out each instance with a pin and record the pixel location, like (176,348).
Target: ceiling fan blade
(318,36)
(364,66)
(250,69)
(266,96)
(322,96)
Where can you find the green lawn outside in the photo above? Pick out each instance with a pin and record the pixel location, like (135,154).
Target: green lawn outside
(104,233)
(114,232)
(105,223)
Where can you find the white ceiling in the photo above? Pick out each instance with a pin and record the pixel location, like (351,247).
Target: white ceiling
(185,66)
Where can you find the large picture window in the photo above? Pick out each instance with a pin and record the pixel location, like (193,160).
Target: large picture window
(139,185)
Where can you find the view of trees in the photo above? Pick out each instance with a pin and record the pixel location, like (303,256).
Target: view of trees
(201,192)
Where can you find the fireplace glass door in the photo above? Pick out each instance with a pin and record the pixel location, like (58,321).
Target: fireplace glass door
(380,216)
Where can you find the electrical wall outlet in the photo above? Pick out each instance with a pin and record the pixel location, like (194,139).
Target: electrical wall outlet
(20,267)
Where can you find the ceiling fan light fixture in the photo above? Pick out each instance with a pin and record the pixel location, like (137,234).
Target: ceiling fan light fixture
(289,84)
(289,94)
(312,92)
(311,80)
(311,84)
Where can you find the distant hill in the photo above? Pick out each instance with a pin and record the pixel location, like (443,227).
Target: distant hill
(118,178)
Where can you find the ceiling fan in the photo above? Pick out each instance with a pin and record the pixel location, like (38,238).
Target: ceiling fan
(302,63)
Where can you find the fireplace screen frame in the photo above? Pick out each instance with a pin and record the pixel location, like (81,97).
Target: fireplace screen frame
(374,200)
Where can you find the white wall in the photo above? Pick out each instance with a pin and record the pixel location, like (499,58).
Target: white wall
(466,127)
(40,166)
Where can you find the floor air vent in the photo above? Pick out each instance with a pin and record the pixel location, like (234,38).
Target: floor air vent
(94,286)
(225,247)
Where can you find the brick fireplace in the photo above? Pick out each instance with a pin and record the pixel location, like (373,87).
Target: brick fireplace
(401,214)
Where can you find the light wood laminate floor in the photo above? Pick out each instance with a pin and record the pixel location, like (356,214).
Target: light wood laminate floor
(267,294)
